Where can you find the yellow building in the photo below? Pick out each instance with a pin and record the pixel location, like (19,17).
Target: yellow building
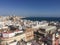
(26,36)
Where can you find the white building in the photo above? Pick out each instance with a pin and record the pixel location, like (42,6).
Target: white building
(49,28)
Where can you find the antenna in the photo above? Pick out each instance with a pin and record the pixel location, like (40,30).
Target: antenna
(13,13)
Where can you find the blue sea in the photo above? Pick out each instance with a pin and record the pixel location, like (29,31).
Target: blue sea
(43,18)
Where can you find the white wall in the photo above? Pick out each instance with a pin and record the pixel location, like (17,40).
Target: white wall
(8,34)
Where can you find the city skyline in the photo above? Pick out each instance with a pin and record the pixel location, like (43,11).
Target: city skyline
(42,8)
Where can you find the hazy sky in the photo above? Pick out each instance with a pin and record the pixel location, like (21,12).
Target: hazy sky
(30,7)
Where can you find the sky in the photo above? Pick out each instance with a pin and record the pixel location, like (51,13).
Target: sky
(42,8)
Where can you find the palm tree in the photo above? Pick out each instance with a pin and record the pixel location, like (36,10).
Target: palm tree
(0,41)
